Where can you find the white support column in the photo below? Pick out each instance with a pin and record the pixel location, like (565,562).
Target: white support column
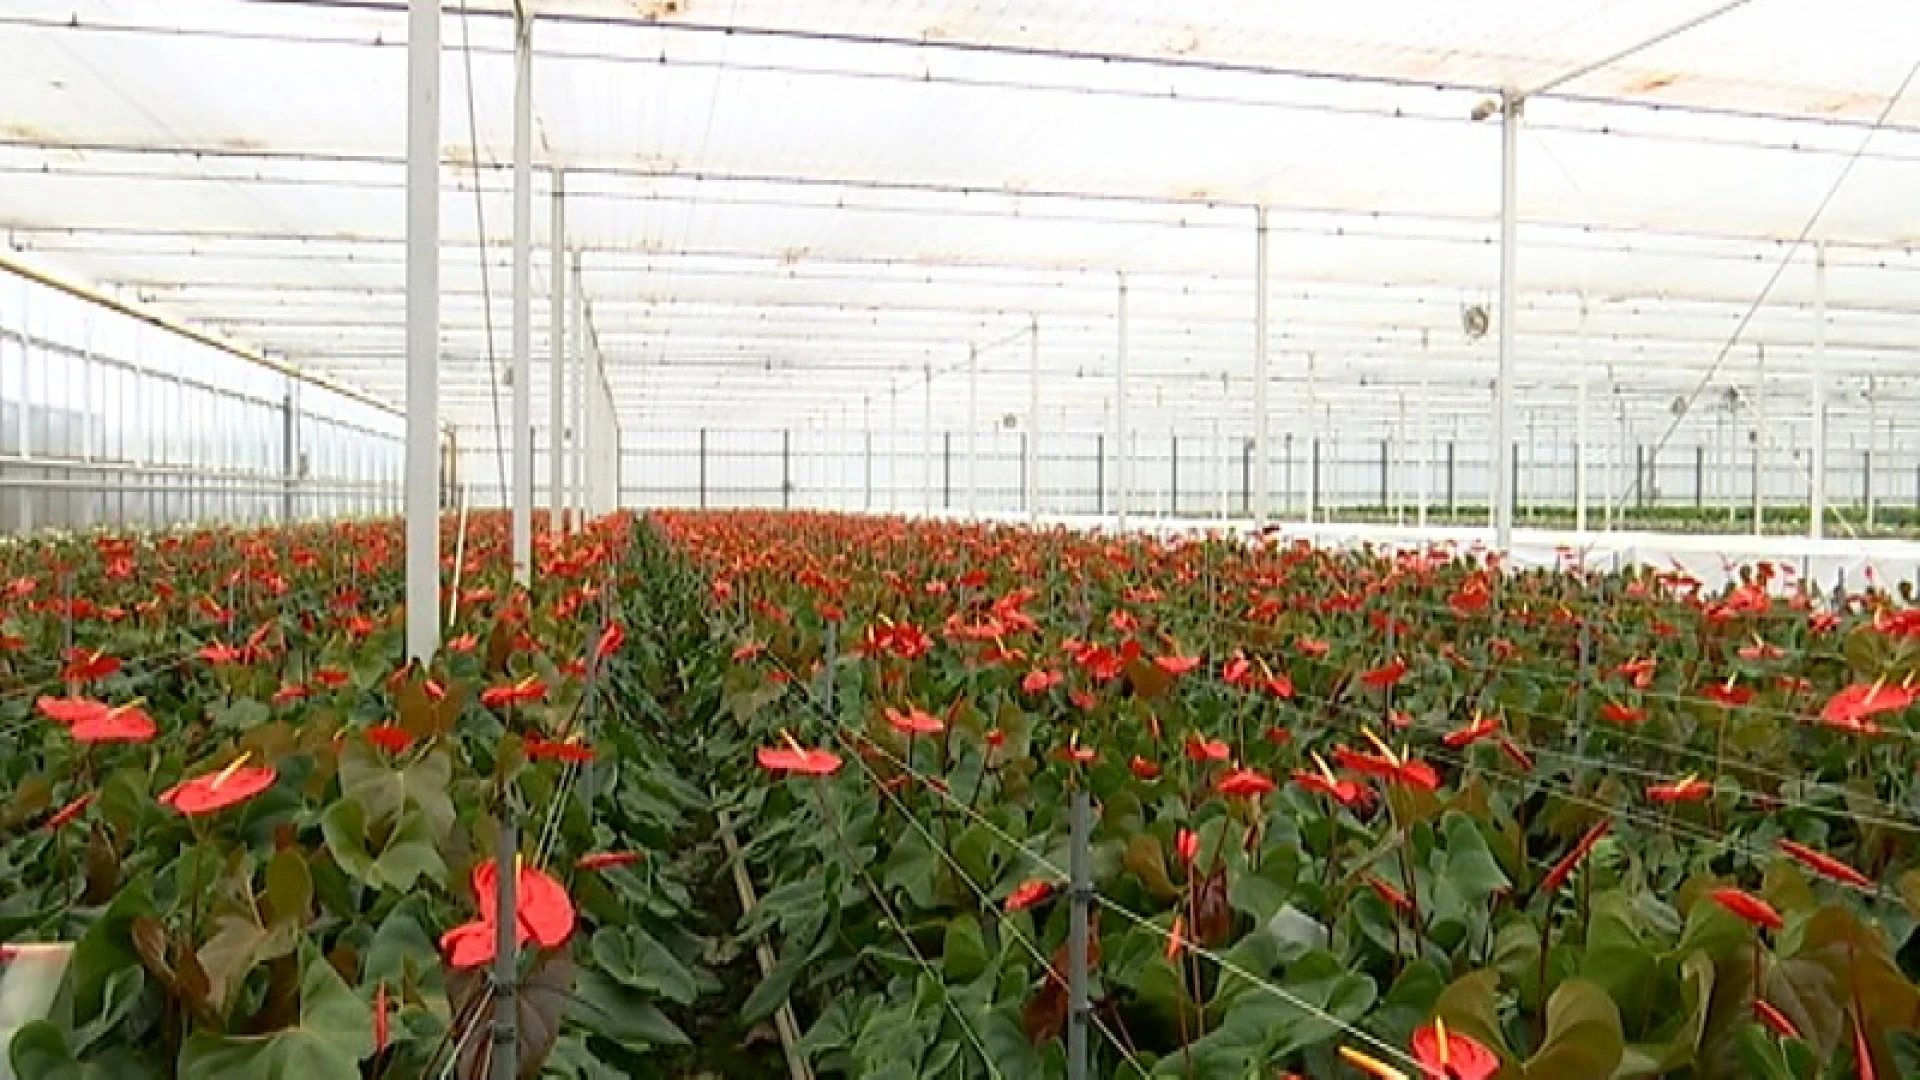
(557,360)
(894,497)
(1510,107)
(927,502)
(423,329)
(1220,465)
(1759,438)
(522,300)
(584,348)
(1121,492)
(1817,497)
(1426,438)
(1262,483)
(1873,445)
(1310,453)
(28,353)
(1032,493)
(1581,450)
(973,431)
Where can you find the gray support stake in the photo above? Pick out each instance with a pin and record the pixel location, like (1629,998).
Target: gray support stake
(1699,476)
(703,468)
(786,469)
(1246,474)
(1174,500)
(1100,474)
(1386,449)
(423,330)
(503,1060)
(1453,502)
(1080,895)
(946,470)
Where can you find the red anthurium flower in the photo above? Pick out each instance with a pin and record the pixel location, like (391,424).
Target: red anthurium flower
(1028,894)
(1854,707)
(914,720)
(1386,675)
(1122,621)
(1039,681)
(381,1031)
(996,739)
(1345,792)
(1728,694)
(1312,646)
(570,751)
(1237,671)
(749,651)
(220,654)
(1144,769)
(1395,899)
(1204,750)
(1244,784)
(1775,1020)
(1480,728)
(289,693)
(389,737)
(795,760)
(1449,1055)
(67,813)
(545,911)
(1375,765)
(1076,754)
(1084,700)
(465,643)
(332,678)
(527,689)
(1748,907)
(1176,665)
(610,641)
(1639,672)
(1186,843)
(1278,736)
(70,710)
(1761,650)
(1688,788)
(1624,715)
(87,665)
(1563,869)
(606,860)
(214,792)
(1827,866)
(126,723)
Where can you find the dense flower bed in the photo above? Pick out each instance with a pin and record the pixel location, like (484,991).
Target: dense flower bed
(271,840)
(1357,813)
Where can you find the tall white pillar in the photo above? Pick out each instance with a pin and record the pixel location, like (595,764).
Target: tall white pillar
(1581,448)
(1262,483)
(1426,437)
(1759,438)
(927,503)
(522,300)
(586,350)
(1873,445)
(1032,494)
(423,329)
(1817,501)
(1122,493)
(973,431)
(1510,106)
(557,359)
(1309,455)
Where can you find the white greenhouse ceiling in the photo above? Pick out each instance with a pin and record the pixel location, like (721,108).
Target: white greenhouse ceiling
(792,211)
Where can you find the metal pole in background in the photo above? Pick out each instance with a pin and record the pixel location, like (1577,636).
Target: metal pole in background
(926,442)
(1759,438)
(1121,494)
(1080,896)
(1313,443)
(423,329)
(1581,450)
(1817,497)
(1426,439)
(585,348)
(1032,493)
(557,362)
(1510,107)
(973,431)
(1873,440)
(522,298)
(866,450)
(1261,481)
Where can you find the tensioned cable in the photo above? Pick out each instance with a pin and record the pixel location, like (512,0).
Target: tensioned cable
(1779,271)
(480,222)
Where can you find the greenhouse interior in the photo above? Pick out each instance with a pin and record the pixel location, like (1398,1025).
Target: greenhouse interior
(1059,540)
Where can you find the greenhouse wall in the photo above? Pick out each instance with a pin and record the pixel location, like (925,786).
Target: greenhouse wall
(1205,475)
(109,419)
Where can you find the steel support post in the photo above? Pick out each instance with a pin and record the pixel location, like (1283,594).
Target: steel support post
(557,359)
(522,299)
(1817,495)
(1261,486)
(1121,480)
(1030,481)
(1581,449)
(973,431)
(1504,476)
(423,329)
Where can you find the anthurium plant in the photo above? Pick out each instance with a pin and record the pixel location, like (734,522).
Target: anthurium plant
(1357,813)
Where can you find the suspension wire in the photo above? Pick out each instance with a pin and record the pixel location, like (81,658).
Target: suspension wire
(1780,268)
(480,221)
